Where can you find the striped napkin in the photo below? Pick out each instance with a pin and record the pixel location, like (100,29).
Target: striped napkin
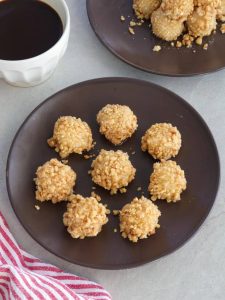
(24,277)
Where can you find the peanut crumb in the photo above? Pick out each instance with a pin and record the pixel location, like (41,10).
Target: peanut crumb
(205,47)
(89,172)
(178,44)
(122,18)
(157,48)
(132,23)
(37,207)
(65,161)
(115,230)
(116,212)
(172,44)
(222,28)
(96,196)
(131,30)
(133,152)
(198,41)
(89,156)
(93,188)
(139,189)
(123,190)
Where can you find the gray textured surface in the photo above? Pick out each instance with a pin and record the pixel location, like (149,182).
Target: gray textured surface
(197,270)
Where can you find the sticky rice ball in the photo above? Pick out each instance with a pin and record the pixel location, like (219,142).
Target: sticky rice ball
(202,21)
(165,28)
(177,9)
(84,216)
(112,170)
(167,181)
(139,219)
(162,141)
(54,181)
(117,122)
(71,135)
(144,8)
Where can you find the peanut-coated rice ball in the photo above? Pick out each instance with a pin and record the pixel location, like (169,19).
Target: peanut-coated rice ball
(112,170)
(54,181)
(117,122)
(162,141)
(165,28)
(139,219)
(84,216)
(167,181)
(71,135)
(144,8)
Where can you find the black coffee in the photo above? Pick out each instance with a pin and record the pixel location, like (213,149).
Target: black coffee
(27,28)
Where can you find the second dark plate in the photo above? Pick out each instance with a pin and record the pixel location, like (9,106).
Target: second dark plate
(136,50)
(198,157)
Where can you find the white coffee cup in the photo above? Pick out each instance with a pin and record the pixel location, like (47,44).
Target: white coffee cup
(35,70)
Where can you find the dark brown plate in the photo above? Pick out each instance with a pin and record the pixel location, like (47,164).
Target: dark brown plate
(137,51)
(151,103)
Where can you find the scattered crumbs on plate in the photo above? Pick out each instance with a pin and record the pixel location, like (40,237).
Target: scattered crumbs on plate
(133,152)
(198,41)
(132,23)
(123,190)
(157,48)
(122,18)
(131,30)
(205,46)
(139,189)
(178,44)
(222,28)
(89,156)
(89,172)
(96,196)
(116,212)
(194,51)
(37,207)
(65,161)
(115,230)
(93,188)
(172,44)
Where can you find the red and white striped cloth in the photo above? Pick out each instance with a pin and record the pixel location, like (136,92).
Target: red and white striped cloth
(24,277)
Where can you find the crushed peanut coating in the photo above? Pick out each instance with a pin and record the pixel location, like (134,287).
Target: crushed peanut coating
(162,141)
(112,170)
(165,28)
(71,135)
(177,9)
(214,3)
(139,219)
(222,28)
(144,8)
(167,181)
(117,122)
(202,21)
(54,181)
(221,11)
(84,216)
